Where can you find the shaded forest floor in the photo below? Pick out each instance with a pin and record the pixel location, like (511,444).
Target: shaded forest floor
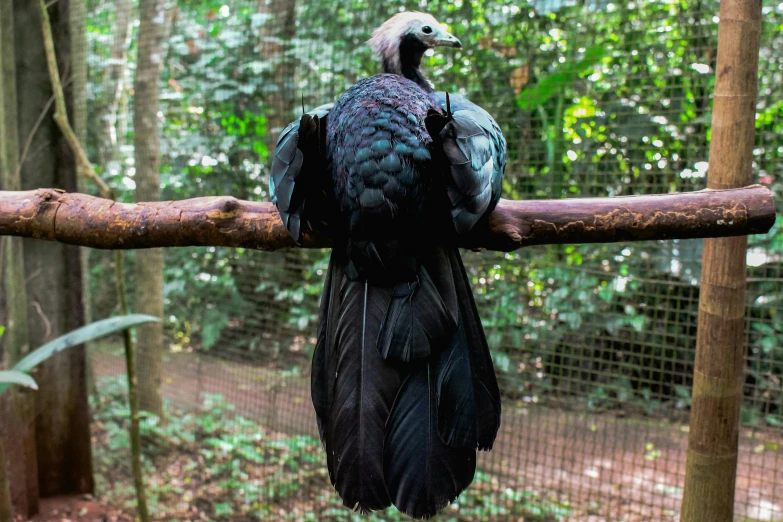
(561,465)
(81,508)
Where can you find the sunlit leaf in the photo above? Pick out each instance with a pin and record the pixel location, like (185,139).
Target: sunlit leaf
(536,95)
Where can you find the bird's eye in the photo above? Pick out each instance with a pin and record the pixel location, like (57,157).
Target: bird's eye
(426,29)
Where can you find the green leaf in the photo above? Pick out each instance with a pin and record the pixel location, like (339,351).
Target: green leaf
(583,108)
(13,377)
(214,322)
(773,421)
(223,509)
(79,336)
(536,95)
(638,323)
(502,362)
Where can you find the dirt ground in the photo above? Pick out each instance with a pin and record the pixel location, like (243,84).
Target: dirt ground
(82,508)
(606,468)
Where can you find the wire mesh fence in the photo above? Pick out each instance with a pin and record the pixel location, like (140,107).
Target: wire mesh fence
(593,344)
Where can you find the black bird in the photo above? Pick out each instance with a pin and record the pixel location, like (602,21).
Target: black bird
(402,381)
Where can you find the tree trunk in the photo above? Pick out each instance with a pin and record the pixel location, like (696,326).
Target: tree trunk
(112,131)
(78,118)
(6,512)
(14,299)
(711,466)
(17,435)
(54,271)
(149,264)
(22,463)
(275,36)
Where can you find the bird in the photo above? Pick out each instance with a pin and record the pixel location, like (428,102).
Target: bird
(402,381)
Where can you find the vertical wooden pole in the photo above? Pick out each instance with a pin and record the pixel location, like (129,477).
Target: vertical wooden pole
(146,140)
(711,467)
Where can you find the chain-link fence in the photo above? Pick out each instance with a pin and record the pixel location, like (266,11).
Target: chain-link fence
(593,344)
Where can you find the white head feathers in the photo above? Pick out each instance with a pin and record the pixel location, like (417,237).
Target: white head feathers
(385,39)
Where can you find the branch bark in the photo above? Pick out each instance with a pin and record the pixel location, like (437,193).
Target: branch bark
(225,221)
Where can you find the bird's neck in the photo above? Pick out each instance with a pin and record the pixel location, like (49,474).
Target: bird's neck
(408,62)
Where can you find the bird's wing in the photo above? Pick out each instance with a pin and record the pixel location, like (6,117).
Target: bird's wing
(475,150)
(298,179)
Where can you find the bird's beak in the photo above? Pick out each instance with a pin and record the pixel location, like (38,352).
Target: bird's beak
(444,39)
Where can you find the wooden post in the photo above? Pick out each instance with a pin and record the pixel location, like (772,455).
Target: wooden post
(711,468)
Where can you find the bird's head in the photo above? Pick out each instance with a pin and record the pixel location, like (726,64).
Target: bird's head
(402,40)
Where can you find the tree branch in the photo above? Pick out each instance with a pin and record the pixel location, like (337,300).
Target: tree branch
(225,221)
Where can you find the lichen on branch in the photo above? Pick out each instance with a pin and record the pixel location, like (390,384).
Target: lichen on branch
(225,221)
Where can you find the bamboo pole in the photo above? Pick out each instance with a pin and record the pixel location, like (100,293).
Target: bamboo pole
(711,468)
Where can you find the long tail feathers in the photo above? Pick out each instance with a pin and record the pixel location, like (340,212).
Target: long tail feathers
(422,473)
(468,397)
(364,391)
(403,387)
(417,320)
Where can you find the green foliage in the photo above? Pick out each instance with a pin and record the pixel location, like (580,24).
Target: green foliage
(79,336)
(595,99)
(234,469)
(563,77)
(8,377)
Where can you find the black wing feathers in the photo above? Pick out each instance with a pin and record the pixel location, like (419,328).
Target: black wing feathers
(475,151)
(298,180)
(322,379)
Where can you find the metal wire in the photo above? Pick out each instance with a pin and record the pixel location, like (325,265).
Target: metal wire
(593,344)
